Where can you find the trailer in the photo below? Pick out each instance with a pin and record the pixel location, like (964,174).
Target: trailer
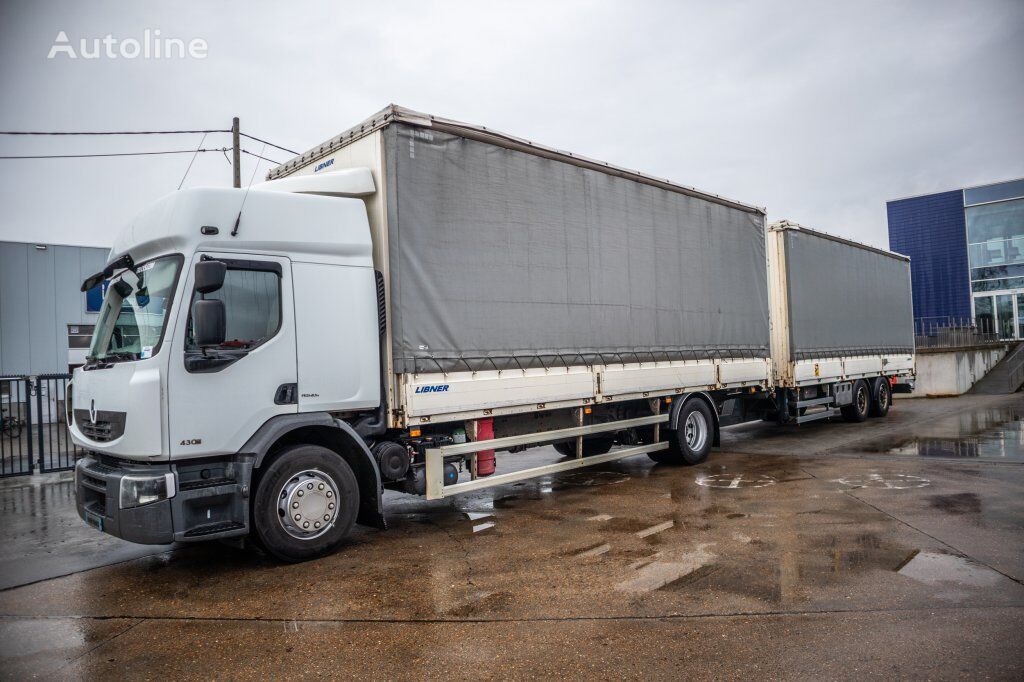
(396,306)
(842,325)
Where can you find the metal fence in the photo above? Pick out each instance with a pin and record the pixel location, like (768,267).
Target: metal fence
(955,332)
(34,435)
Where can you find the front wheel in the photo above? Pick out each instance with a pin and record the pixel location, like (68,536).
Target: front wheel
(858,410)
(306,503)
(691,442)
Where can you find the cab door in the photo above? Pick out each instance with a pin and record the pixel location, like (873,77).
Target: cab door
(218,398)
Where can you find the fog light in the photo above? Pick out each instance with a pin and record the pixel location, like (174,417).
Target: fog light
(139,490)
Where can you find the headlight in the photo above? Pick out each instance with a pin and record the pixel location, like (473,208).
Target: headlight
(139,490)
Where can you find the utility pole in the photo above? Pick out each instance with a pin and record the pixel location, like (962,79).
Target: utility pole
(236,153)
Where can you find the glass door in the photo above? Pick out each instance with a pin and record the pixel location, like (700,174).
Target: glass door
(1004,311)
(1020,316)
(984,314)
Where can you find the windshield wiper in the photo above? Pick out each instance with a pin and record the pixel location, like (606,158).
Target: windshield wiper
(120,355)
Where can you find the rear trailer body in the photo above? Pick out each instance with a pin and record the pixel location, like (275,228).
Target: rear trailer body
(523,279)
(841,311)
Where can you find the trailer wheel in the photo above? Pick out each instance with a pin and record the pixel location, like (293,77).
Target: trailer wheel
(691,442)
(591,447)
(881,399)
(858,410)
(305,504)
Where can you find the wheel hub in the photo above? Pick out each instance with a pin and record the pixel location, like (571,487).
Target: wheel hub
(308,504)
(695,430)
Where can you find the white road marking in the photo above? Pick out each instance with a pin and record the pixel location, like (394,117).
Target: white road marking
(734,481)
(601,517)
(887,481)
(660,573)
(594,551)
(655,529)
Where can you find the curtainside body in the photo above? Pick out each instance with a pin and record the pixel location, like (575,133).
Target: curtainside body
(841,314)
(522,278)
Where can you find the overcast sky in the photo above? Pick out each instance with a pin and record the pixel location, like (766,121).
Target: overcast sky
(820,111)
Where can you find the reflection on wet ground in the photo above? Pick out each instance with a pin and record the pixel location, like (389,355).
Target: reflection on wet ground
(988,434)
(761,541)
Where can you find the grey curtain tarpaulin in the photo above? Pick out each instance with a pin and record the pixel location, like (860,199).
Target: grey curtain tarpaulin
(845,299)
(501,258)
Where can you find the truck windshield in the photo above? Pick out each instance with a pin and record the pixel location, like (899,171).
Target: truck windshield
(133,317)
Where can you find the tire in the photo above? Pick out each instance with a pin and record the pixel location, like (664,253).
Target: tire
(691,442)
(881,398)
(284,482)
(858,410)
(591,447)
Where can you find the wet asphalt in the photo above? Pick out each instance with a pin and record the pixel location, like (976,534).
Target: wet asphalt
(889,548)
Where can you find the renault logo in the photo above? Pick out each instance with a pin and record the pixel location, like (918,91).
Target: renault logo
(92,411)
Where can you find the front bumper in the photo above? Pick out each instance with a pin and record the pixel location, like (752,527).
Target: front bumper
(98,495)
(211,500)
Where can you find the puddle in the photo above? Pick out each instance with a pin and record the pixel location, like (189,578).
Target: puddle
(961,503)
(934,568)
(884,481)
(733,481)
(588,478)
(989,434)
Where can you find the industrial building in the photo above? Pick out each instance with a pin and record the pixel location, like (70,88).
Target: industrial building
(967,256)
(45,320)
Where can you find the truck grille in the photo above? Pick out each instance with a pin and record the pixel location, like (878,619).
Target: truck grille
(108,425)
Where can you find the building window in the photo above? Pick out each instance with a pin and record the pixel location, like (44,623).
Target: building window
(995,236)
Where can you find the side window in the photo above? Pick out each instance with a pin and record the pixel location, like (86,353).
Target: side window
(252,303)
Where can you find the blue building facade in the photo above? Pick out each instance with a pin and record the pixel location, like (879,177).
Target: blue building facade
(967,256)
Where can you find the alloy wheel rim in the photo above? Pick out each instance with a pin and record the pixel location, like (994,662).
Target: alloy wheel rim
(695,430)
(307,504)
(862,399)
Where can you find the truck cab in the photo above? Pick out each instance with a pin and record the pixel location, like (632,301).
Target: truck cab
(232,319)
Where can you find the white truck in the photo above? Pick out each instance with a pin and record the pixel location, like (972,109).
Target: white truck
(393,306)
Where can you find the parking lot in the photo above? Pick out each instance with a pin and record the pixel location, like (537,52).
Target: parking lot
(890,548)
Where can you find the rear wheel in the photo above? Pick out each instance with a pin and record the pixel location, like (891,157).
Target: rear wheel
(691,442)
(591,447)
(305,504)
(881,400)
(858,410)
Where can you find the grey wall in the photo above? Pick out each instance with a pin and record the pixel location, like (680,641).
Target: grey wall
(39,297)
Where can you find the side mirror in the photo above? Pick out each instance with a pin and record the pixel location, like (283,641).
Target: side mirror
(210,275)
(209,321)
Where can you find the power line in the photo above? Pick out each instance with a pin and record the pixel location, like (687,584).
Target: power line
(192,160)
(146,132)
(253,137)
(246,151)
(117,132)
(91,156)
